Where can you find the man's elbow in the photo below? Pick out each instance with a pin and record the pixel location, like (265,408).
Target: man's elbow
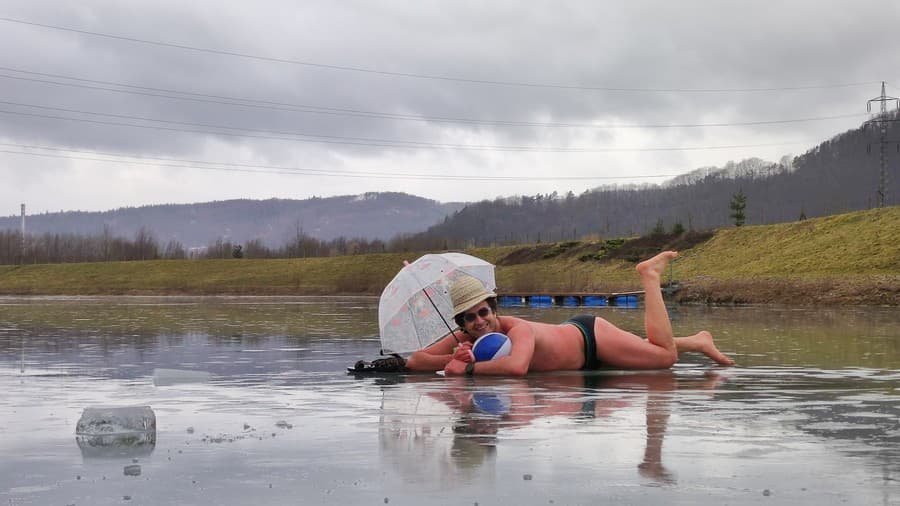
(518,370)
(414,362)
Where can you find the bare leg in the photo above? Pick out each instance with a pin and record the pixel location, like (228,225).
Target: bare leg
(656,316)
(619,348)
(702,342)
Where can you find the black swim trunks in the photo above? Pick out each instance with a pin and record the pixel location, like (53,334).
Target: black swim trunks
(585,324)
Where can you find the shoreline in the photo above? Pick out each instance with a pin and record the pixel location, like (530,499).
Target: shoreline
(869,291)
(876,291)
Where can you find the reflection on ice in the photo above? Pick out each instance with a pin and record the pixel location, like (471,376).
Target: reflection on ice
(116,431)
(425,440)
(492,403)
(451,431)
(34,372)
(167,377)
(133,444)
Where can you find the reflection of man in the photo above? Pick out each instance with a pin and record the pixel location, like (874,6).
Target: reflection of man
(474,440)
(427,440)
(488,408)
(583,342)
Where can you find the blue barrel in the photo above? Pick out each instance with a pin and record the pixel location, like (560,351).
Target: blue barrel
(630,301)
(594,301)
(510,301)
(570,301)
(540,301)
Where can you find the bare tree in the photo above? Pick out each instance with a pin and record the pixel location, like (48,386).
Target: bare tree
(145,245)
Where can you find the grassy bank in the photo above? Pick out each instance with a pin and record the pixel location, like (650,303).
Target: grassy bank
(851,258)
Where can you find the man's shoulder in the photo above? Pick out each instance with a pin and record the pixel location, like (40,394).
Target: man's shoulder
(508,322)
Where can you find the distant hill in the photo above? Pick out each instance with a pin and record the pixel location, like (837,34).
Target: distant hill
(751,167)
(274,221)
(840,175)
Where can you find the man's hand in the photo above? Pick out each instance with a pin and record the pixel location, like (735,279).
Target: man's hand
(455,368)
(463,353)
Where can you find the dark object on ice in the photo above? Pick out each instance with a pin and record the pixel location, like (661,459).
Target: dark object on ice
(393,363)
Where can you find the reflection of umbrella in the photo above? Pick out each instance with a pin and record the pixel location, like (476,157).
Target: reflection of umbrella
(415,308)
(417,436)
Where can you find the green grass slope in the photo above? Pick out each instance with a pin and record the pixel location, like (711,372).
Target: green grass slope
(849,258)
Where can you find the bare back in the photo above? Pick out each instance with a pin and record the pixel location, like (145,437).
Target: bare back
(556,347)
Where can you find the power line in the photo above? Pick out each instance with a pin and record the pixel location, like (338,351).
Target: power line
(882,101)
(361,141)
(223,127)
(272,169)
(311,109)
(347,68)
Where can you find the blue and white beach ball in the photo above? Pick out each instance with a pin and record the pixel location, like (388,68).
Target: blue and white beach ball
(491,346)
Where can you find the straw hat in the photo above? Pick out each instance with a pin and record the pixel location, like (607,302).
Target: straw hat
(467,291)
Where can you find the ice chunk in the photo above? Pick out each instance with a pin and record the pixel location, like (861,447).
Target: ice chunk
(116,431)
(103,420)
(166,377)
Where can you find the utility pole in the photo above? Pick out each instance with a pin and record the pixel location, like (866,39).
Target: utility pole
(23,233)
(882,120)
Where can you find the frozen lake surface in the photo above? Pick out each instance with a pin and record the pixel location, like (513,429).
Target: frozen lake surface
(253,405)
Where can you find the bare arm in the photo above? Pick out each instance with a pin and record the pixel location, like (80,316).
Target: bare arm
(437,356)
(517,363)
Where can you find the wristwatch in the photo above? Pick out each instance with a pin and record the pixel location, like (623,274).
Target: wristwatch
(470,369)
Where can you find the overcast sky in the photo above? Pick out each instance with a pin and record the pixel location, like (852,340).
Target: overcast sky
(111,103)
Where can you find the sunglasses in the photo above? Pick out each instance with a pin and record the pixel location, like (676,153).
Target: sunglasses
(482,313)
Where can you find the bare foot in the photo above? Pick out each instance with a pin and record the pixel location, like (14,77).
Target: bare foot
(656,472)
(654,267)
(708,348)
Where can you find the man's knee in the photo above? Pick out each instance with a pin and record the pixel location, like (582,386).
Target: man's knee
(668,359)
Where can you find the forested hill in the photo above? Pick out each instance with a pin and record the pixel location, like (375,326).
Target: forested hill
(274,221)
(840,175)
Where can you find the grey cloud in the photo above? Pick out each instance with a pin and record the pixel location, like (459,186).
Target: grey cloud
(644,44)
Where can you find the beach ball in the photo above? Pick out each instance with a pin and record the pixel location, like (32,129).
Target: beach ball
(491,346)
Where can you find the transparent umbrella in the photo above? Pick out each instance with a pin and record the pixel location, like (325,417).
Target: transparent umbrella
(415,307)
